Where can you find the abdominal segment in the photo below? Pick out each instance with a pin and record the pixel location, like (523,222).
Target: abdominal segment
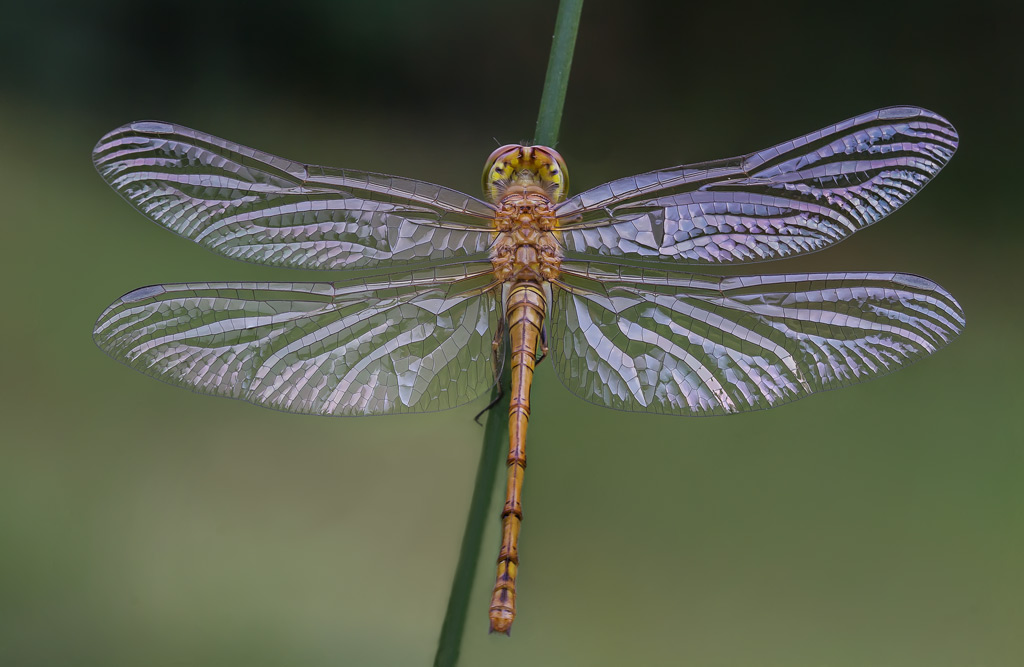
(525,310)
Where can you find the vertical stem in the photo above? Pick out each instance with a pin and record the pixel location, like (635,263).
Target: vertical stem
(491,463)
(496,433)
(557,78)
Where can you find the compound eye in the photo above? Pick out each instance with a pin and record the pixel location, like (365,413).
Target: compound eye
(554,172)
(498,152)
(501,165)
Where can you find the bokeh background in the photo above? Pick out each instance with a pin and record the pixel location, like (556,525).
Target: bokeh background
(141,524)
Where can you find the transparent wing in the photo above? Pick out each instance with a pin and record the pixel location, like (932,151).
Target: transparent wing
(402,343)
(698,345)
(798,197)
(256,207)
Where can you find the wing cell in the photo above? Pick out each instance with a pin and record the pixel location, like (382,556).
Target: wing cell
(402,343)
(664,342)
(256,207)
(794,198)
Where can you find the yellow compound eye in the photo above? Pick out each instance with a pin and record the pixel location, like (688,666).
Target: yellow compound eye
(550,168)
(525,166)
(501,165)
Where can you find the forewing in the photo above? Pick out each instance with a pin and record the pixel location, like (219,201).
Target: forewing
(412,343)
(798,197)
(256,207)
(699,345)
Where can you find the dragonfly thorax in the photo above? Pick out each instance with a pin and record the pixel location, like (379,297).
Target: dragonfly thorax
(526,248)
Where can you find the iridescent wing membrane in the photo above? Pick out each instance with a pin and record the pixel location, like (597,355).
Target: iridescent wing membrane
(253,206)
(647,339)
(664,342)
(797,197)
(401,343)
(652,340)
(405,342)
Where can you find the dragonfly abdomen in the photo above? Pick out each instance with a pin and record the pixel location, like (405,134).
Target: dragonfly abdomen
(525,311)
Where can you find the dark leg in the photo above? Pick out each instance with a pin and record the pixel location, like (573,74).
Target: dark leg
(496,366)
(543,344)
(497,399)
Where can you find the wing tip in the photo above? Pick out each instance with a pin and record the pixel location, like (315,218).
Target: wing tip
(115,138)
(910,113)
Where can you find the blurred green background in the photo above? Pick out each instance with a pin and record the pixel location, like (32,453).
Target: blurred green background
(141,524)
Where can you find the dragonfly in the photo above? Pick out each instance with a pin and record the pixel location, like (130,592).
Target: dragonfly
(595,282)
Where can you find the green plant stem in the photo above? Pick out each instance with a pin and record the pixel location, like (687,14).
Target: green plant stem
(496,432)
(556,81)
(487,471)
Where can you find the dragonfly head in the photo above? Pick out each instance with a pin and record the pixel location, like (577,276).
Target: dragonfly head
(514,168)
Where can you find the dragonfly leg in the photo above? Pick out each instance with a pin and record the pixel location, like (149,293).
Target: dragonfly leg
(496,360)
(497,399)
